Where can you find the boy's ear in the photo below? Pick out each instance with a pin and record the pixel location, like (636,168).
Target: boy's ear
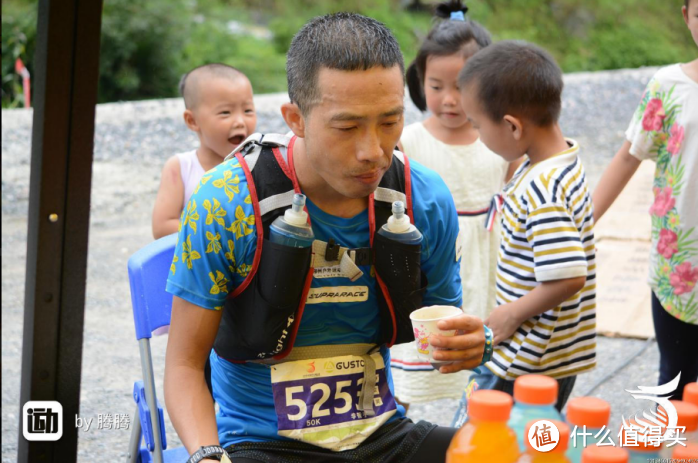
(190,120)
(294,118)
(515,126)
(684,12)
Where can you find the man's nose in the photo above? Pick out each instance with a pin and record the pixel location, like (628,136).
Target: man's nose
(369,148)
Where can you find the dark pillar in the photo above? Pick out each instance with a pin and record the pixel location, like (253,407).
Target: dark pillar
(65,83)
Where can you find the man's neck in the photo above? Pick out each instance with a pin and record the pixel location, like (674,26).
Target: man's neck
(545,143)
(319,191)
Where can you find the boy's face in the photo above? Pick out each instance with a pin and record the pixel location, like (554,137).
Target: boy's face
(350,133)
(690,15)
(224,114)
(499,136)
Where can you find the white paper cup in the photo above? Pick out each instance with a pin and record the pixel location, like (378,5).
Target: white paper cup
(424,322)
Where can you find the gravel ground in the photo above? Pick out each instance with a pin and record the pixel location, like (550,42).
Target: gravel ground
(132,142)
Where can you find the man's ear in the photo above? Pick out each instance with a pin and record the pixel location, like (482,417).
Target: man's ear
(294,118)
(190,120)
(515,126)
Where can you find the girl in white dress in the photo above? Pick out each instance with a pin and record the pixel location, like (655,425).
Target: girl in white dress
(447,143)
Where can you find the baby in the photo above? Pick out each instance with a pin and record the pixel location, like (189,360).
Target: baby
(220,109)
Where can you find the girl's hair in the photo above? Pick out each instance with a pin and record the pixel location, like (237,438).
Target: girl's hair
(447,37)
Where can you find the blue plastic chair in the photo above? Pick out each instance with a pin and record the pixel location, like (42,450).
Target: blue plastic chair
(152,308)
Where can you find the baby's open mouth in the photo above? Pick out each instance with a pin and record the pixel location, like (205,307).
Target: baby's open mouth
(237,139)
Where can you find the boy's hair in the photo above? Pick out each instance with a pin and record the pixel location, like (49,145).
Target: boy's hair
(448,37)
(342,41)
(189,83)
(517,78)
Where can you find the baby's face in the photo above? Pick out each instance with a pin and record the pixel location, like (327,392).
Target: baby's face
(225,114)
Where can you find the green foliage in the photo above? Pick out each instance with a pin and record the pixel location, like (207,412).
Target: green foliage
(18,41)
(147,46)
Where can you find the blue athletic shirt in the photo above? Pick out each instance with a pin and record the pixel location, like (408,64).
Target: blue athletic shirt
(214,254)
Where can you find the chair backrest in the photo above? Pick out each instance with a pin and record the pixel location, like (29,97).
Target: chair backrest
(148,269)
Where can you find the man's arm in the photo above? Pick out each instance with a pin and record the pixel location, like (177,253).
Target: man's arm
(189,404)
(506,319)
(614,179)
(168,203)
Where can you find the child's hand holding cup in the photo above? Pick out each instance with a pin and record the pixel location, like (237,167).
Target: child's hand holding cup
(424,322)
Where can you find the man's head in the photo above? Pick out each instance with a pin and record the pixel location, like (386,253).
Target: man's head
(346,85)
(219,106)
(690,16)
(508,87)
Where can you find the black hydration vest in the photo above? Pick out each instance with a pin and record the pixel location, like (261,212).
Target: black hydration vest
(261,317)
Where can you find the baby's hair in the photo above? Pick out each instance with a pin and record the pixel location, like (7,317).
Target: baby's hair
(189,83)
(447,37)
(516,78)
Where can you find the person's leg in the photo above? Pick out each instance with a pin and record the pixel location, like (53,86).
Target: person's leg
(433,447)
(678,347)
(564,390)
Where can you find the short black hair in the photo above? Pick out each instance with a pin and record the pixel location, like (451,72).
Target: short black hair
(517,78)
(447,37)
(342,41)
(188,84)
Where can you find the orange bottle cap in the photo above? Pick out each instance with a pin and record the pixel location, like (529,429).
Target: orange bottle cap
(535,390)
(562,444)
(591,412)
(633,442)
(687,415)
(488,405)
(685,453)
(690,393)
(605,454)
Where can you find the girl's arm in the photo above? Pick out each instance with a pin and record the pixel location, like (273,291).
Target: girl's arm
(168,203)
(614,179)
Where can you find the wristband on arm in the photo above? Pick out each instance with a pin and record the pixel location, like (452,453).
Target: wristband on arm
(489,345)
(213,452)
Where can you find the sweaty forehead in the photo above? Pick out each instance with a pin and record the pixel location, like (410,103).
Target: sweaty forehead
(372,88)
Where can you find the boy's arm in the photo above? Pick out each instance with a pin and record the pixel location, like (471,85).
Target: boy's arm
(505,319)
(168,203)
(614,179)
(189,404)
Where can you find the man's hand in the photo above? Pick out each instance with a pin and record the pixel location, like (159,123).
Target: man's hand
(465,349)
(503,323)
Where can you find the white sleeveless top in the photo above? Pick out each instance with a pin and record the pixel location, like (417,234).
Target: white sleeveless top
(474,174)
(191,171)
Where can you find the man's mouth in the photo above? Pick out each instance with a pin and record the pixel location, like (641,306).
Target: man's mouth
(370,177)
(236,139)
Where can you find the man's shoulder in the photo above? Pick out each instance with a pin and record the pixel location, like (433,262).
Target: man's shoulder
(427,185)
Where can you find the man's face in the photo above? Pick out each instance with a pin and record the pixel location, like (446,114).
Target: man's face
(350,133)
(496,135)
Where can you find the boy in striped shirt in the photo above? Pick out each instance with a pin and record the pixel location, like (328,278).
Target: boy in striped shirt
(545,319)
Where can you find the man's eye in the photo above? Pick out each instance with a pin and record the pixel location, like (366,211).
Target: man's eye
(346,129)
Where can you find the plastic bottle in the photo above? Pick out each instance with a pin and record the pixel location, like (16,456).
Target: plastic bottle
(486,436)
(690,393)
(399,227)
(592,412)
(688,453)
(557,454)
(687,415)
(292,229)
(640,453)
(605,454)
(535,397)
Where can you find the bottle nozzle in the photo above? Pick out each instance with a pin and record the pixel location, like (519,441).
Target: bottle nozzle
(398,222)
(296,215)
(398,209)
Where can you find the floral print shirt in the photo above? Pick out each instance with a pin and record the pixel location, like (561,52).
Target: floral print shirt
(665,129)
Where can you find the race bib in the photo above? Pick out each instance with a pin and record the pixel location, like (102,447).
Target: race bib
(316,401)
